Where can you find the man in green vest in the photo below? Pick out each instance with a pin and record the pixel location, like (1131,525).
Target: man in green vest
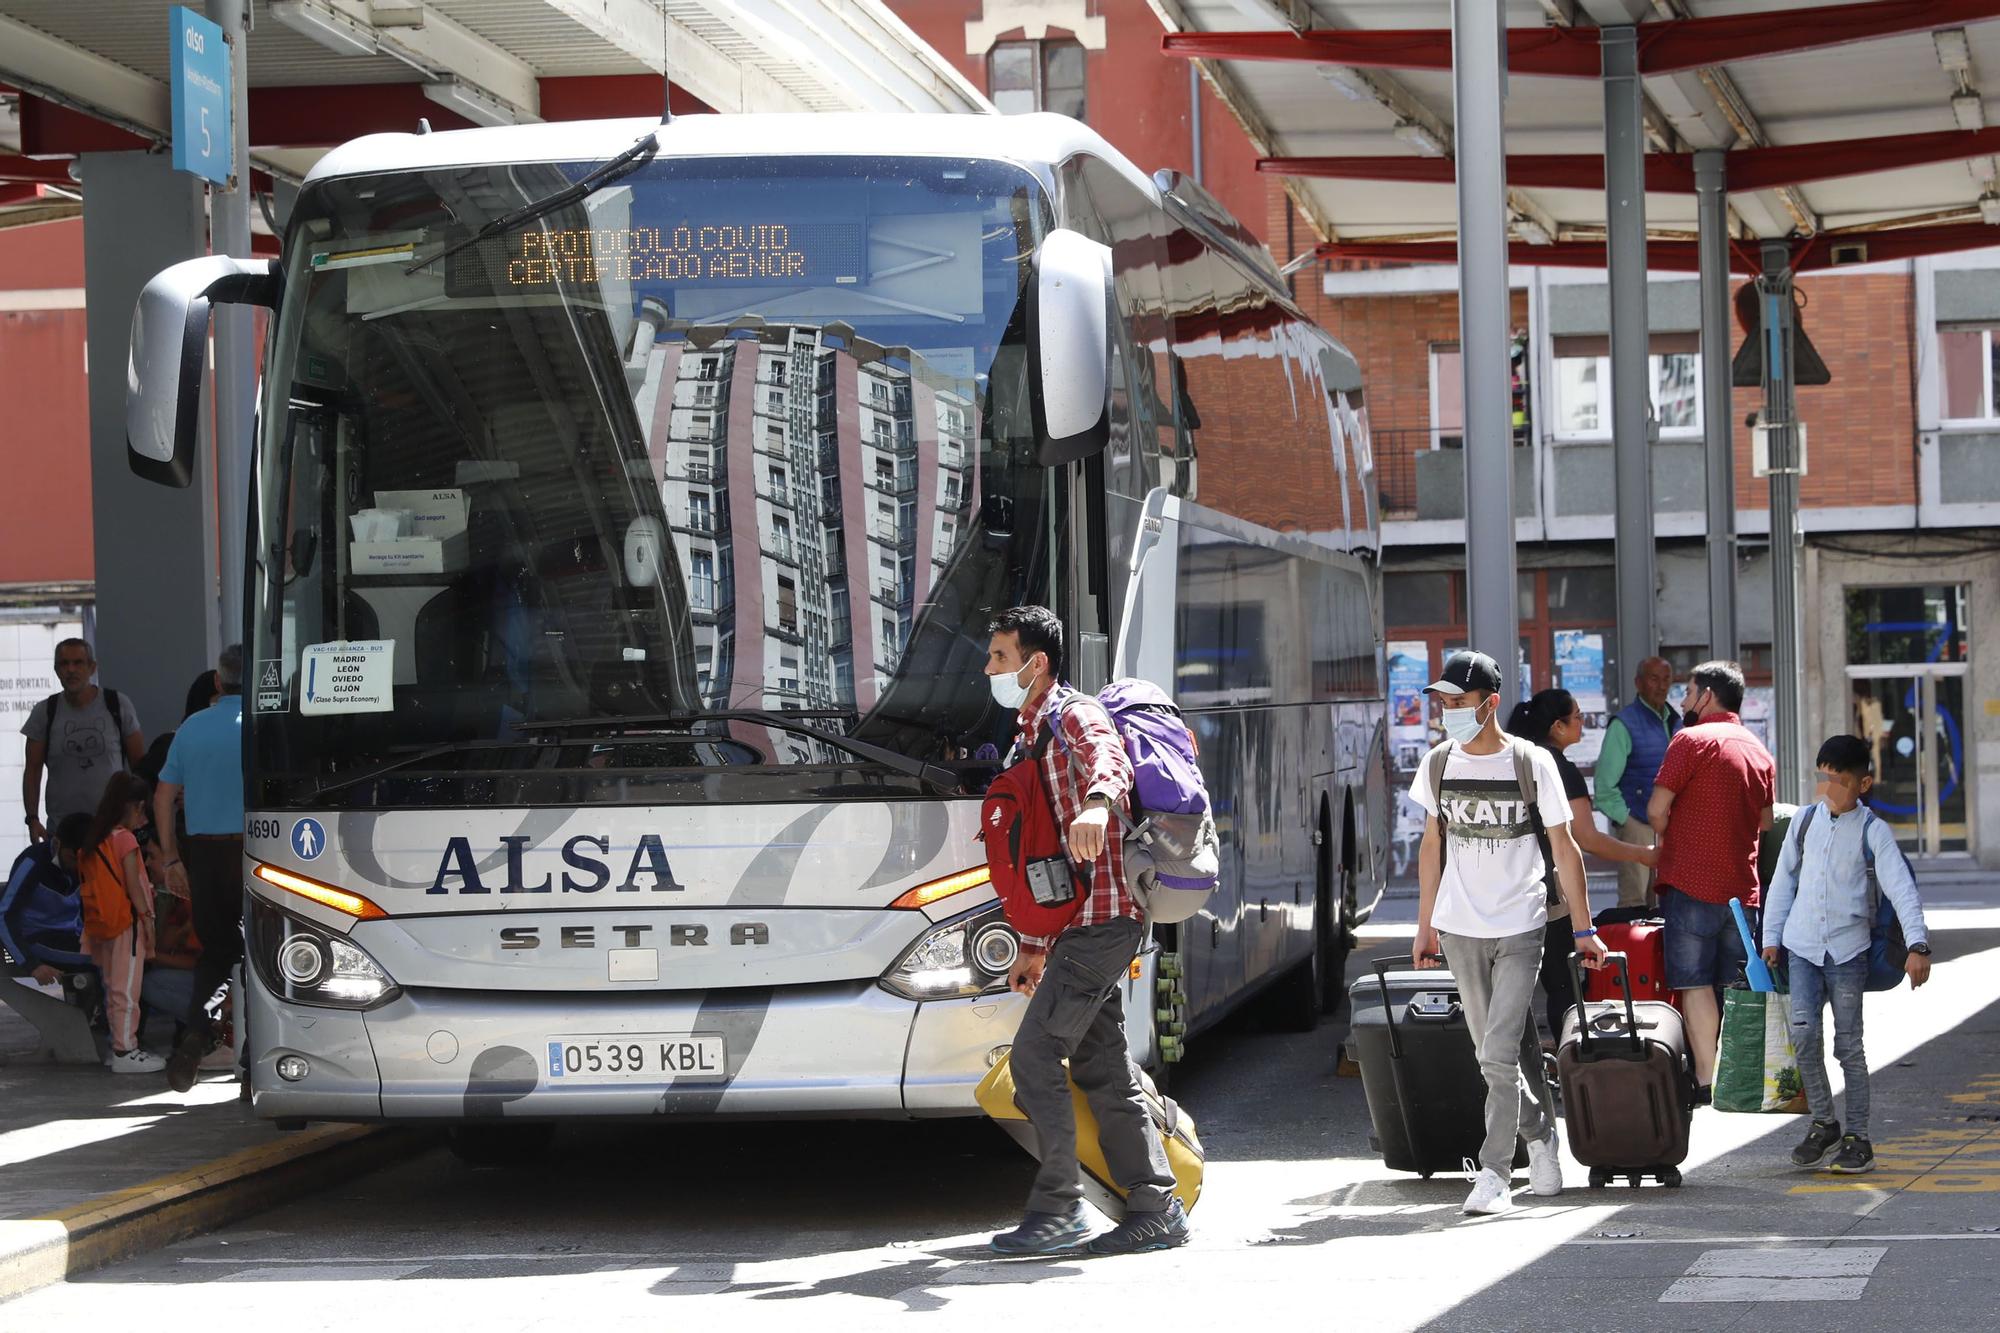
(1635,742)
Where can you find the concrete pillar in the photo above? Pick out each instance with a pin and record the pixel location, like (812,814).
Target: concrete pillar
(235,338)
(1479,94)
(1779,417)
(1631,352)
(1712,206)
(157,623)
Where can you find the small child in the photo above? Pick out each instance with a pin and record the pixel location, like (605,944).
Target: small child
(112,849)
(1817,910)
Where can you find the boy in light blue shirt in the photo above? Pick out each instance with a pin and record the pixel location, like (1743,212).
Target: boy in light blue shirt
(1817,910)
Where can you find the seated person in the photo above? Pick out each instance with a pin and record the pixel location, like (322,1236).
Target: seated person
(44,914)
(169,982)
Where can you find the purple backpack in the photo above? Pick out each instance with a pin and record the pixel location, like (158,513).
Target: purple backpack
(1173,856)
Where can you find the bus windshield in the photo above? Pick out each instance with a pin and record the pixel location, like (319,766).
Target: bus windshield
(724,436)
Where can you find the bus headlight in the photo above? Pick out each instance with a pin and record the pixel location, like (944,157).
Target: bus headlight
(303,964)
(968,955)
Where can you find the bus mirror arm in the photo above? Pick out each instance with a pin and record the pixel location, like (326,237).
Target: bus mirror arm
(1070,302)
(169,354)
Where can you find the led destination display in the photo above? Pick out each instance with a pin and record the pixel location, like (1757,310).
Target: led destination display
(537,262)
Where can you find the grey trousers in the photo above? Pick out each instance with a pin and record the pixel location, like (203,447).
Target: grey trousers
(1075,1015)
(1496,982)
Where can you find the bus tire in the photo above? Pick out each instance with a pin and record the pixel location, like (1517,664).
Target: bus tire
(1331,936)
(500,1145)
(1293,1002)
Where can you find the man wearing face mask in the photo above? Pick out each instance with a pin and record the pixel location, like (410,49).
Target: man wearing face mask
(1074,1011)
(1485,900)
(1711,800)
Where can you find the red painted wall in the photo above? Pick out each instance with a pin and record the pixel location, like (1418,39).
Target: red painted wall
(1134,96)
(45,527)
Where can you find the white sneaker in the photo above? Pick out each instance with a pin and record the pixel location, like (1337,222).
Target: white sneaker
(135,1061)
(1545,1167)
(1491,1193)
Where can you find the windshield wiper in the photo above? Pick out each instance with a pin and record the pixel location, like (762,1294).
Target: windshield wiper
(942,780)
(421,754)
(627,162)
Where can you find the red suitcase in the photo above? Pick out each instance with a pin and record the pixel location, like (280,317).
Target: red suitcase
(1643,943)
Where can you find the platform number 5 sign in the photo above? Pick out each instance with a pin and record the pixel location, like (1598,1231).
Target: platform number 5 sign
(202,97)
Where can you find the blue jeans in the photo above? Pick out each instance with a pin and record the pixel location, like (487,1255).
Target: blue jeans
(1703,946)
(1813,985)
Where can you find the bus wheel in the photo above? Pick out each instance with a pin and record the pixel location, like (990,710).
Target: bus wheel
(500,1145)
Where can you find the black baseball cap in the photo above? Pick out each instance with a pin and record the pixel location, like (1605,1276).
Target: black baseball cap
(1467,671)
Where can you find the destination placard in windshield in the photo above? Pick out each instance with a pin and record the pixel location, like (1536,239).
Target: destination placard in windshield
(728,252)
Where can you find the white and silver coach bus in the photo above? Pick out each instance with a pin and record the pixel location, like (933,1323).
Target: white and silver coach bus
(629,503)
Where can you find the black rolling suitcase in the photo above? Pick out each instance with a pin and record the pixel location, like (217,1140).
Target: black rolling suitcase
(1628,1084)
(1426,1096)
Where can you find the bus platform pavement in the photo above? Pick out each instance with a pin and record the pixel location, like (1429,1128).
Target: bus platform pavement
(96,1166)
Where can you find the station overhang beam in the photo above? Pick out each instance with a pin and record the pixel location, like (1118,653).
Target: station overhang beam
(1670,46)
(1822,251)
(1751,168)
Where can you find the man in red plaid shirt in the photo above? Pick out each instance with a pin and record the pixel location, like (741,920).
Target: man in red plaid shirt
(1074,1011)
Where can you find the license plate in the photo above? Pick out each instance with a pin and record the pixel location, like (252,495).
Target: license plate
(638,1057)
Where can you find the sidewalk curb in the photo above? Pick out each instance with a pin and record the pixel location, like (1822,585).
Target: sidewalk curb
(38,1251)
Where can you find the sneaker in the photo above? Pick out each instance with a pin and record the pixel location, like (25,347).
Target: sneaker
(1856,1155)
(1161,1230)
(135,1061)
(181,1065)
(1819,1141)
(1545,1165)
(1491,1193)
(1044,1233)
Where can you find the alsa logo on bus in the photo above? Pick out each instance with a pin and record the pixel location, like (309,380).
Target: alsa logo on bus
(587,854)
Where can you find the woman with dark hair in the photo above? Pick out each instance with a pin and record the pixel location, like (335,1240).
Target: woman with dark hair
(112,871)
(1552,720)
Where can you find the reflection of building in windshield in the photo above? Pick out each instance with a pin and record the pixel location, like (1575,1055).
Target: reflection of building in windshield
(814,503)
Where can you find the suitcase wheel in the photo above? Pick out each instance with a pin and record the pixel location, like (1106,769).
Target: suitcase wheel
(1599,1177)
(1671,1177)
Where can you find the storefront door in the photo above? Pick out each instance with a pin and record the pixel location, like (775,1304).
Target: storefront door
(1906,679)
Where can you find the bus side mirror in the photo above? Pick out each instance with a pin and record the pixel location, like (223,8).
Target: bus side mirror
(170,352)
(1069,347)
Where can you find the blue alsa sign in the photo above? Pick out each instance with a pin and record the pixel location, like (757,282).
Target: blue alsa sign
(202,101)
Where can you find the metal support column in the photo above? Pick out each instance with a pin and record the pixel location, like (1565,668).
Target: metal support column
(1631,352)
(235,335)
(1712,207)
(1779,419)
(1479,93)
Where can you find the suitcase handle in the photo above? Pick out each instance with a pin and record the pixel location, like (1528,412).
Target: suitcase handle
(1584,1039)
(1381,967)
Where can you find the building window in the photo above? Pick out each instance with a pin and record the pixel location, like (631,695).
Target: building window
(701,426)
(698,465)
(781,536)
(1447,398)
(1583,386)
(699,518)
(788,605)
(1036,76)
(1965,373)
(701,581)
(778,482)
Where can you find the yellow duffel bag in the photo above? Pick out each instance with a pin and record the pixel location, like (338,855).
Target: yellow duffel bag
(1176,1127)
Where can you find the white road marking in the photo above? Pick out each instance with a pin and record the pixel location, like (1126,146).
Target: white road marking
(325,1273)
(1773,1275)
(540,1256)
(1739,1290)
(1867,1238)
(1788,1263)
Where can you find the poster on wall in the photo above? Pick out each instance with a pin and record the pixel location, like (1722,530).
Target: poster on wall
(1756,713)
(1409,725)
(1579,662)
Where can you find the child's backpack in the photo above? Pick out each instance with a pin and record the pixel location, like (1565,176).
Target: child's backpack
(1888,951)
(107,911)
(1040,890)
(1173,856)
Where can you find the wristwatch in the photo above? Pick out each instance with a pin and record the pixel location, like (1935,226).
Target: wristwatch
(1921,950)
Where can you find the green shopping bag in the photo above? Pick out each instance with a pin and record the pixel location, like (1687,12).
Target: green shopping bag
(1757,1070)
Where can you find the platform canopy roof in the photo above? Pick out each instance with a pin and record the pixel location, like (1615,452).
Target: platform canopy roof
(89,75)
(1858,128)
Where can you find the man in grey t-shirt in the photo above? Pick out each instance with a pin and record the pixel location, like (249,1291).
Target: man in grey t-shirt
(77,740)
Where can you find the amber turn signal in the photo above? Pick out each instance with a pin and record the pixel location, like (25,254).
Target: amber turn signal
(926,894)
(340,900)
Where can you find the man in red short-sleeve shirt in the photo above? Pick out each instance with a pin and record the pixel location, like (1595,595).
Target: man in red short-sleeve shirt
(1712,799)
